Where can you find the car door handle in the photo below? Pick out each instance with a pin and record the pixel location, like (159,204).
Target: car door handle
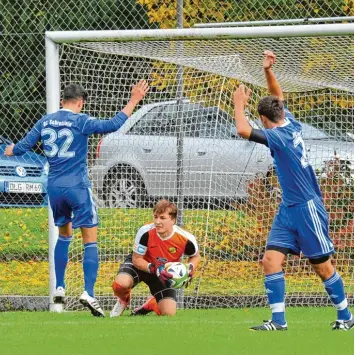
(200,152)
(147,150)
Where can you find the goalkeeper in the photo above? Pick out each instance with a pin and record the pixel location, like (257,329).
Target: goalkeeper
(64,135)
(301,223)
(155,244)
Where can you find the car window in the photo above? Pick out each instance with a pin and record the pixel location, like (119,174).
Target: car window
(310,132)
(197,121)
(181,117)
(164,120)
(216,123)
(322,128)
(153,123)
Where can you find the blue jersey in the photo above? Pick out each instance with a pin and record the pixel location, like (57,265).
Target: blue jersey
(64,137)
(296,175)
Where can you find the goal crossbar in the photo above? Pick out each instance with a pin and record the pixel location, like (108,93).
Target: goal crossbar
(343,29)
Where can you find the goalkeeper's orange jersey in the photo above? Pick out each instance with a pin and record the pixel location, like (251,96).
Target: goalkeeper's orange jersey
(157,250)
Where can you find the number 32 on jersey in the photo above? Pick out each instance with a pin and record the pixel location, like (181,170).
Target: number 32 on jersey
(50,144)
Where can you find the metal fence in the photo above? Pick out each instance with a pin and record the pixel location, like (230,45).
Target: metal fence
(23,258)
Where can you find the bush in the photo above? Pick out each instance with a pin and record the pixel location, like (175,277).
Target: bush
(221,234)
(337,187)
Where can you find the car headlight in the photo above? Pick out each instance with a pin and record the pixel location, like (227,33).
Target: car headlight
(45,169)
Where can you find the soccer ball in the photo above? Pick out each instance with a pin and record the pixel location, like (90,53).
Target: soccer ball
(180,274)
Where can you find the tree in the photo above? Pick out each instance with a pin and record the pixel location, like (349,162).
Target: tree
(163,12)
(22,75)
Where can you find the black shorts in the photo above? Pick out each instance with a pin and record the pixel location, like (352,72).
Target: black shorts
(156,287)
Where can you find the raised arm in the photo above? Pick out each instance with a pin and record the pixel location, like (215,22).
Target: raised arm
(240,98)
(138,92)
(107,126)
(272,83)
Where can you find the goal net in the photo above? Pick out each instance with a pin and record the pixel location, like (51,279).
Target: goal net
(229,190)
(181,144)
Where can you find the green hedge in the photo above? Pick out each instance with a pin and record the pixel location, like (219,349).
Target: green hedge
(230,242)
(221,234)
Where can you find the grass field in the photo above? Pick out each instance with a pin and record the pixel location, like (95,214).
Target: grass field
(190,332)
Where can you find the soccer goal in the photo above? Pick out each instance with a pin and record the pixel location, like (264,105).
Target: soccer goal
(182,145)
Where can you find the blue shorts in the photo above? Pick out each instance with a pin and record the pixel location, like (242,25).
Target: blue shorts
(73,205)
(303,227)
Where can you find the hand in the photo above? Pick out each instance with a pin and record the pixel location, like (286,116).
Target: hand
(9,150)
(241,95)
(151,268)
(163,275)
(159,271)
(139,90)
(269,59)
(191,275)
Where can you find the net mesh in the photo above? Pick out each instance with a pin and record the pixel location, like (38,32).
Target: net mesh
(229,189)
(23,226)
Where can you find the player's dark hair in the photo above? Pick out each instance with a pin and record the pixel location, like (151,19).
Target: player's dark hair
(74,92)
(163,206)
(272,108)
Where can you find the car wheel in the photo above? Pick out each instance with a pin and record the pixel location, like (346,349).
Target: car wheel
(125,189)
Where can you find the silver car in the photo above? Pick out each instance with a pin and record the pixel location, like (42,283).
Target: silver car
(139,162)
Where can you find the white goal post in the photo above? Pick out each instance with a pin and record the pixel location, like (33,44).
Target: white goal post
(217,58)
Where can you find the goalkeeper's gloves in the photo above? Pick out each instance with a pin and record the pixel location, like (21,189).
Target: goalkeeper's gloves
(191,274)
(160,272)
(151,268)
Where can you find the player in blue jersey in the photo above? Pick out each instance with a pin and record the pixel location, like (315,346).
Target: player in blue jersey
(301,223)
(64,136)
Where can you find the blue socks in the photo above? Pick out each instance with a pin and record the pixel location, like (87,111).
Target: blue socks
(335,289)
(90,266)
(90,263)
(61,252)
(275,290)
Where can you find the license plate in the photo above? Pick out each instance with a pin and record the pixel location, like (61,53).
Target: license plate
(23,187)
